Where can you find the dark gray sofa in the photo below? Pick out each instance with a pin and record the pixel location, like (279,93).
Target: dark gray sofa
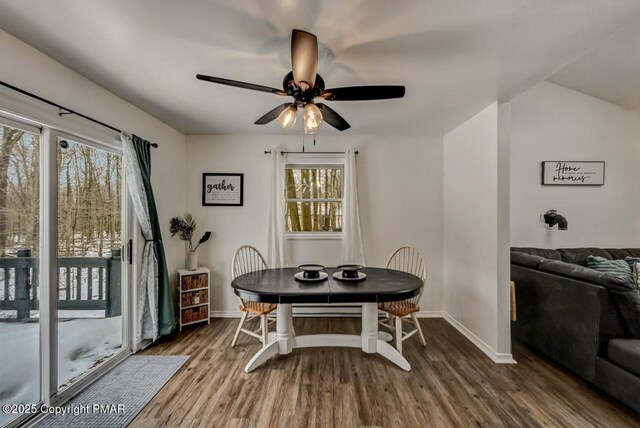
(585,320)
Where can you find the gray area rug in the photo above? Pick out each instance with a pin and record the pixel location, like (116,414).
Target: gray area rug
(131,384)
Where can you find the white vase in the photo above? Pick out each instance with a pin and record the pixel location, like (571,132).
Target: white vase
(192,260)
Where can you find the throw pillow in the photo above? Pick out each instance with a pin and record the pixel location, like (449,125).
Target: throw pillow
(634,262)
(620,267)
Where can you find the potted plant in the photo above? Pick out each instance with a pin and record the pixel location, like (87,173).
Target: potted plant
(185,227)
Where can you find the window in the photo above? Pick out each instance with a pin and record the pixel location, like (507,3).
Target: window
(313,198)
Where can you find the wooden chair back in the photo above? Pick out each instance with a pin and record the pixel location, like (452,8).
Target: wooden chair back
(408,259)
(247,259)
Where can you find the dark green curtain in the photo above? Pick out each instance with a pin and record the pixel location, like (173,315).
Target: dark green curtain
(166,316)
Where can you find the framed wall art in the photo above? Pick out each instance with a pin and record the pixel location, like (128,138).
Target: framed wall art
(573,173)
(222,189)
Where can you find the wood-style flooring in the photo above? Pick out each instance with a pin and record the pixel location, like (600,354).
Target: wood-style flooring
(452,383)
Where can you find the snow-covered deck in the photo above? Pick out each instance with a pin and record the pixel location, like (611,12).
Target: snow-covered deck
(83,343)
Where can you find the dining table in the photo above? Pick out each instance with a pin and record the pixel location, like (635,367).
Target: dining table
(279,286)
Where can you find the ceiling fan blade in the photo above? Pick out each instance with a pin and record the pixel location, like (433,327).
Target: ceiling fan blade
(304,58)
(239,84)
(363,93)
(332,118)
(272,114)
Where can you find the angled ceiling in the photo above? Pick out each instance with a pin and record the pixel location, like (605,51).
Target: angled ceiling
(611,71)
(454,56)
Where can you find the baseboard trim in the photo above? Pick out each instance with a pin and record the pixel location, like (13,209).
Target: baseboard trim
(496,357)
(225,314)
(430,314)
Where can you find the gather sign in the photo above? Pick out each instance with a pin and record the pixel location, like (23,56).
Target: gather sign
(572,173)
(222,189)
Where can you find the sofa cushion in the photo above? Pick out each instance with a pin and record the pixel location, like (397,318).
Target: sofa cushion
(582,273)
(621,253)
(526,260)
(625,353)
(632,261)
(635,267)
(620,267)
(623,291)
(634,264)
(540,252)
(618,382)
(578,256)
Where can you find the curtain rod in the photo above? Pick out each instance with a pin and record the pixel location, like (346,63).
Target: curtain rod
(268,152)
(64,109)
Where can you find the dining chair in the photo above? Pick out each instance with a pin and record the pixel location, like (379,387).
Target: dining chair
(409,260)
(248,259)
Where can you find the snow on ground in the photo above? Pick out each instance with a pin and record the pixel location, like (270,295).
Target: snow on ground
(83,343)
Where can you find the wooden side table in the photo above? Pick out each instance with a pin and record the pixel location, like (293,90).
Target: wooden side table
(194,297)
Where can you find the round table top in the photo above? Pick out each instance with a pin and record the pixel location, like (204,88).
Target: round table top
(280,286)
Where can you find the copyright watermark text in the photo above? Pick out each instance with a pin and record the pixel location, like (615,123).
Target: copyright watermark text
(70,409)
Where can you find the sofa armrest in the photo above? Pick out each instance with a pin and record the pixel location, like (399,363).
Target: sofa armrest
(560,316)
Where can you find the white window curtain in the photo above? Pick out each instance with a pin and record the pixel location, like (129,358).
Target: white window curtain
(146,323)
(275,238)
(352,248)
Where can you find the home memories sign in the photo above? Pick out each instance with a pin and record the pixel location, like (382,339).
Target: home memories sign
(572,173)
(222,189)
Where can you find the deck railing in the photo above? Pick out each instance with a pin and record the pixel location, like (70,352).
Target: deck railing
(84,283)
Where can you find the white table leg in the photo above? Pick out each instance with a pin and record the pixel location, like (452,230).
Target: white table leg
(280,342)
(284,324)
(369,327)
(370,342)
(283,342)
(268,351)
(392,354)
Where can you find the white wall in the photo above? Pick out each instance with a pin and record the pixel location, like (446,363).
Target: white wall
(475,225)
(550,122)
(400,192)
(29,69)
(405,192)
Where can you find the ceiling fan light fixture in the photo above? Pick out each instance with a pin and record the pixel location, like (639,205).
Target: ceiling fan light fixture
(312,118)
(287,118)
(304,85)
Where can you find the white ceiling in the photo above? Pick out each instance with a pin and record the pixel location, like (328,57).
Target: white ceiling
(454,56)
(611,71)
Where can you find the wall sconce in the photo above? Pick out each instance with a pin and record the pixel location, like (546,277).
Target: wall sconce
(551,218)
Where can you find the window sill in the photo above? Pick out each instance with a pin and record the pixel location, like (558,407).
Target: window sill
(314,235)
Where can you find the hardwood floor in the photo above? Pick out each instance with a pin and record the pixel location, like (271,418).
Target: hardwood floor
(452,383)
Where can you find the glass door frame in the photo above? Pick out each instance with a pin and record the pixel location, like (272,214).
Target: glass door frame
(50,246)
(48,322)
(32,127)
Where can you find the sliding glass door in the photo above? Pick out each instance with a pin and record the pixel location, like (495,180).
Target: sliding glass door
(64,300)
(19,261)
(89,246)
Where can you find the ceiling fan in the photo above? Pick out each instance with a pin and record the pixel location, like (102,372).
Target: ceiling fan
(305,85)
